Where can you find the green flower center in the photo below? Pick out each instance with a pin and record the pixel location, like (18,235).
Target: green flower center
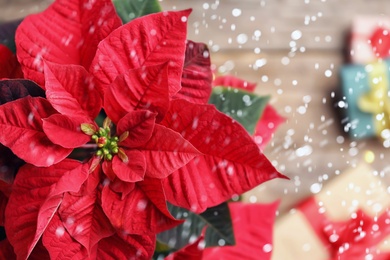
(107,145)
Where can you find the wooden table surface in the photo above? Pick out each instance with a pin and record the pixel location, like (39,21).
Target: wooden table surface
(293,49)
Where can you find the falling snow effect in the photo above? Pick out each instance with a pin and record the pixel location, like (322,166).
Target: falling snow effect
(296,64)
(313,147)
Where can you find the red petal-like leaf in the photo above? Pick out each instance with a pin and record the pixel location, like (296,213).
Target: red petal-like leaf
(166,151)
(71,91)
(67,32)
(126,247)
(60,244)
(197,75)
(10,68)
(107,169)
(18,88)
(193,251)
(65,131)
(122,187)
(136,214)
(84,219)
(268,123)
(252,227)
(36,196)
(232,81)
(145,88)
(154,191)
(146,41)
(21,131)
(57,237)
(132,170)
(139,124)
(232,162)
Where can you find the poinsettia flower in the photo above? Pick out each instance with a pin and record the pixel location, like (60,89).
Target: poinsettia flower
(253,231)
(158,147)
(131,152)
(132,155)
(269,120)
(137,136)
(229,154)
(38,44)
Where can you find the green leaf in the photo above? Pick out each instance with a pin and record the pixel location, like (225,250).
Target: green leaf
(217,219)
(131,9)
(244,107)
(220,228)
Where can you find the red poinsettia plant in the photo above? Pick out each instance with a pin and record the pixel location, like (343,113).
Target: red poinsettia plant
(108,140)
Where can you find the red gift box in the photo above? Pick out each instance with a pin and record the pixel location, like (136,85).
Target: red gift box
(348,219)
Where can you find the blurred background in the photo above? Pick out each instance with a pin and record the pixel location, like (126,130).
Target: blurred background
(293,50)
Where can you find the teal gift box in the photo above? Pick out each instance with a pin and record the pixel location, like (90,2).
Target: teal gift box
(366,99)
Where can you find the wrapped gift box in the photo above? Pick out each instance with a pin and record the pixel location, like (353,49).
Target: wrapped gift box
(365,90)
(369,38)
(348,219)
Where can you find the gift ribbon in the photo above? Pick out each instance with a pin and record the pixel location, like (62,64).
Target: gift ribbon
(377,101)
(380,42)
(351,239)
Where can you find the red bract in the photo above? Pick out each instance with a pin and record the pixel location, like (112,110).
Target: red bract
(32,125)
(231,81)
(267,125)
(197,75)
(231,162)
(154,40)
(21,130)
(126,202)
(36,195)
(76,28)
